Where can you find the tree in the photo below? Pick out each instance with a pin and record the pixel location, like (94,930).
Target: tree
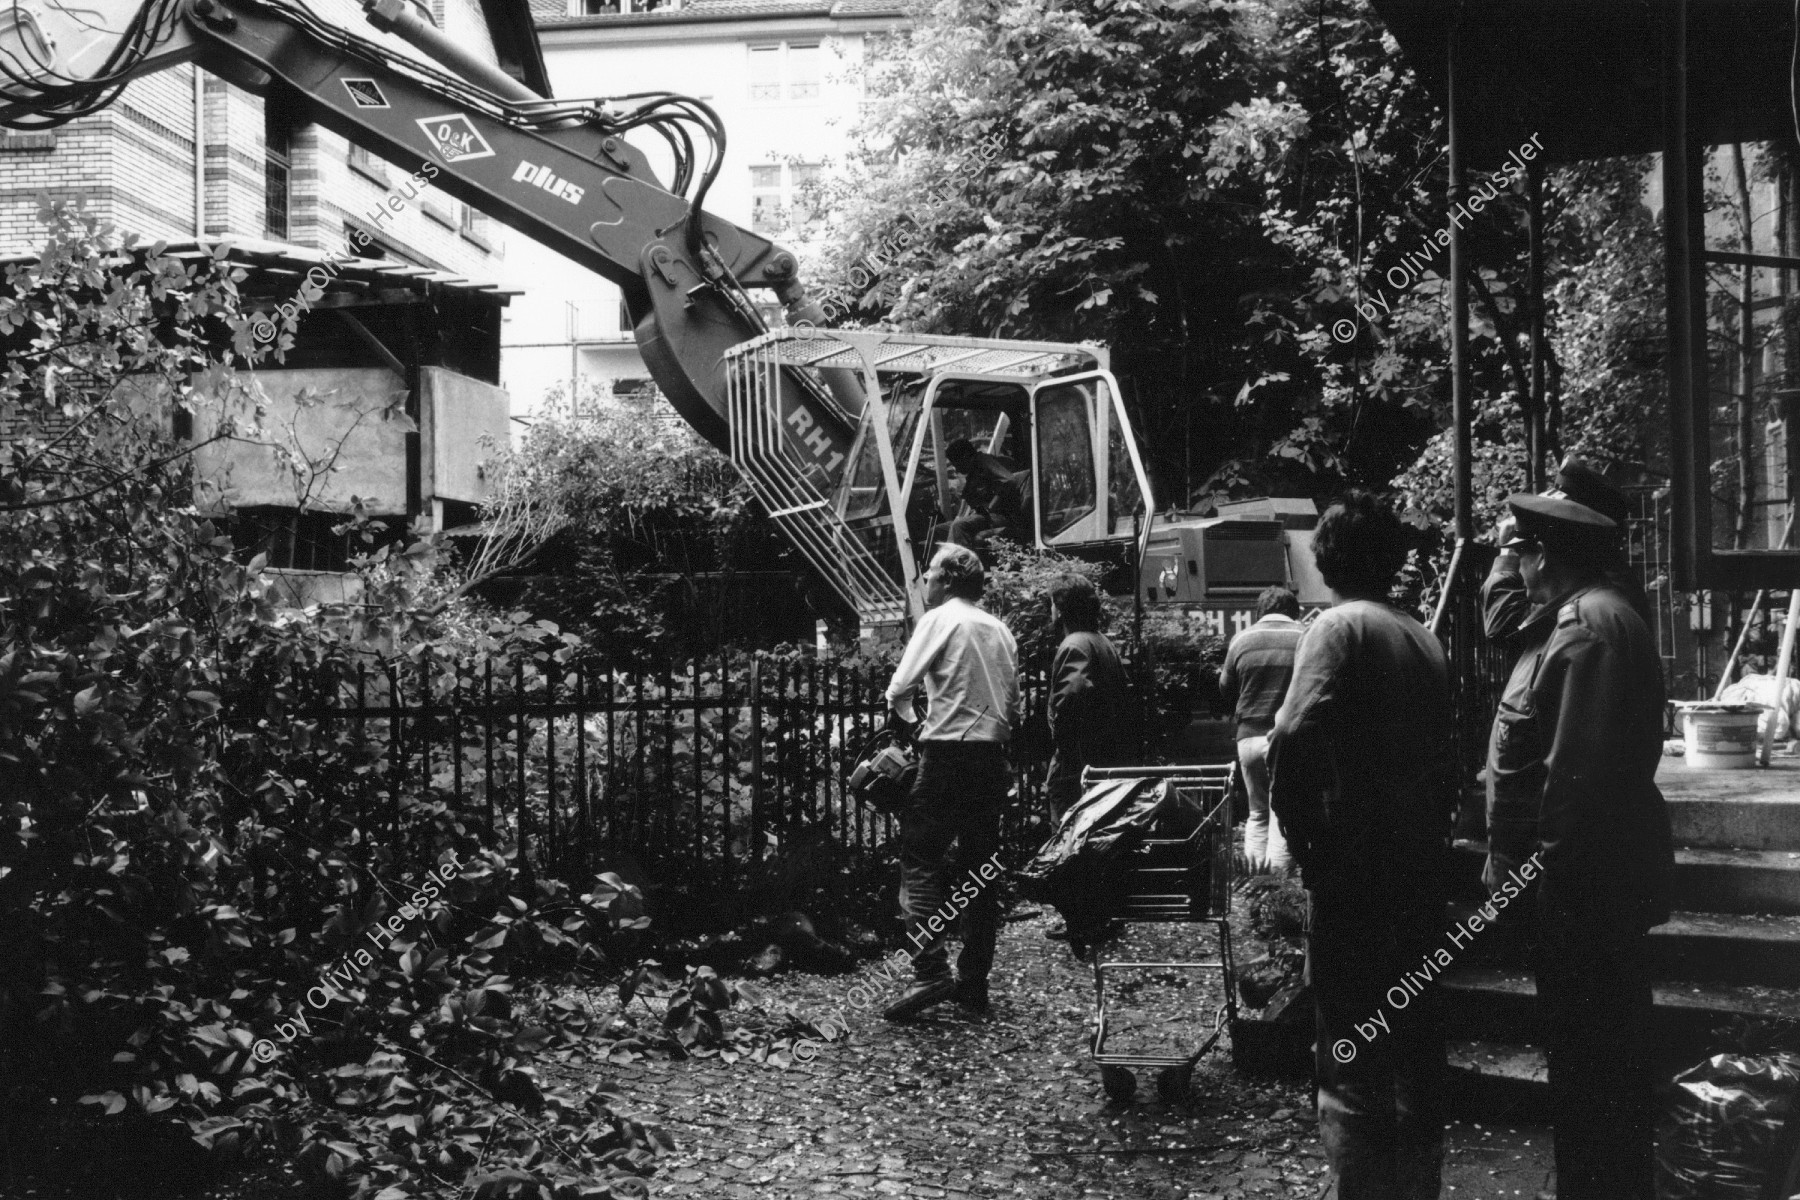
(1135,173)
(1246,201)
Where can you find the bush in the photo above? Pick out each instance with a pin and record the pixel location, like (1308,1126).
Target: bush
(194,888)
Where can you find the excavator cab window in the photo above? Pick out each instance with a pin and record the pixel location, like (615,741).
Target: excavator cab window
(993,417)
(1125,493)
(1090,484)
(1068,488)
(866,495)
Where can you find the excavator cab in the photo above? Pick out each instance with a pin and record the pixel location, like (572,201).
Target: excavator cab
(1047,417)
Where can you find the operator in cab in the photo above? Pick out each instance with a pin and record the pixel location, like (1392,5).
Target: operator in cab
(998,498)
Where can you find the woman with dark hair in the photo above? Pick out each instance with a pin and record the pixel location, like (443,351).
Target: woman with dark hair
(1364,787)
(1087,692)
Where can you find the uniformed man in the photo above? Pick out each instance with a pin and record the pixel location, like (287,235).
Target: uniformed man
(1574,815)
(1506,610)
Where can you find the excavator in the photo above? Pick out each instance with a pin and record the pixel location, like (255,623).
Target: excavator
(840,433)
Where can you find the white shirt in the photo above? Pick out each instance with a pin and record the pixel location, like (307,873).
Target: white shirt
(967,661)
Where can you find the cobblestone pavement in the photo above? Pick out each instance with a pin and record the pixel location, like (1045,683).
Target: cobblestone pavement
(955,1106)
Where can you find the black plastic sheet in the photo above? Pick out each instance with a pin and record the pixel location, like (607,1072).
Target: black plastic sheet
(1080,870)
(1727,1129)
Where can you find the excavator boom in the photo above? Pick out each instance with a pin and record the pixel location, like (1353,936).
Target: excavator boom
(564,174)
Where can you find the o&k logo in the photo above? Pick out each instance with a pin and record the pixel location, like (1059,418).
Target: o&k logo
(545,178)
(455,138)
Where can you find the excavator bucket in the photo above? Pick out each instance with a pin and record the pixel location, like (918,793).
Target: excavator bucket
(1045,415)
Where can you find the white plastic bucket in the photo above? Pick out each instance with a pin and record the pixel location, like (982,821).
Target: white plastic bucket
(1720,737)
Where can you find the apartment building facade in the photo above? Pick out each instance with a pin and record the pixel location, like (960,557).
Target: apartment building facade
(786,78)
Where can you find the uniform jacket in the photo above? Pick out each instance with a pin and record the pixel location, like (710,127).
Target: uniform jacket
(1363,779)
(1504,603)
(1088,704)
(1505,606)
(1572,763)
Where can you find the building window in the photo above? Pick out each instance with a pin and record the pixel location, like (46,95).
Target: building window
(765,73)
(476,227)
(765,198)
(366,164)
(303,541)
(803,72)
(604,8)
(278,151)
(807,178)
(784,196)
(785,69)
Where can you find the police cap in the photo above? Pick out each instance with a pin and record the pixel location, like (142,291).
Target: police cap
(1560,522)
(1581,483)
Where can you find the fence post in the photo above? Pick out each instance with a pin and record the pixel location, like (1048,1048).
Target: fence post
(553,847)
(726,722)
(456,763)
(756,758)
(582,799)
(698,678)
(487,745)
(524,792)
(396,742)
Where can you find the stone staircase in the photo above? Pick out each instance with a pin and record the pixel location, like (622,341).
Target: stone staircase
(1732,949)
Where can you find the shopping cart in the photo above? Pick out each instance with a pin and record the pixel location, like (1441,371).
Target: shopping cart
(1175,874)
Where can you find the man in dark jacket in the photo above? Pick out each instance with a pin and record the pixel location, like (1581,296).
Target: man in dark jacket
(1362,782)
(1089,720)
(1574,813)
(1254,681)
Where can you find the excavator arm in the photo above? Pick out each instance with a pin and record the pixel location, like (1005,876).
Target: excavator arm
(562,173)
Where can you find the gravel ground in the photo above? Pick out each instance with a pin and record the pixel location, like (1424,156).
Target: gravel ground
(1010,1104)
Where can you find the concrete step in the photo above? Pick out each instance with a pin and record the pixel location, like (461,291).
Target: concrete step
(1491,1079)
(1706,880)
(1737,881)
(1728,948)
(1699,946)
(1500,1004)
(1748,809)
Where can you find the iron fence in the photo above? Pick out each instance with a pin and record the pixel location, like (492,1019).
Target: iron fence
(706,766)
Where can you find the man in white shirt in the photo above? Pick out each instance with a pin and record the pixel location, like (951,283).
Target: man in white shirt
(966,662)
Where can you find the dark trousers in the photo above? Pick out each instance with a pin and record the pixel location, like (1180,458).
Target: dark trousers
(965,530)
(1062,791)
(1380,1050)
(1593,987)
(948,831)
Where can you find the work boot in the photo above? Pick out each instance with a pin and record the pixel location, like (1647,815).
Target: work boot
(919,997)
(972,994)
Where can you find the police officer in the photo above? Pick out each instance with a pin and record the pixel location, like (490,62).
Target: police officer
(1506,610)
(1575,817)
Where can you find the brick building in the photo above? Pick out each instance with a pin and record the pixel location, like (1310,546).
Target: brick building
(184,156)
